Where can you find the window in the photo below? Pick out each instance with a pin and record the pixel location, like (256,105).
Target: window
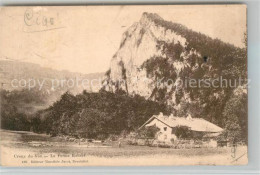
(165,128)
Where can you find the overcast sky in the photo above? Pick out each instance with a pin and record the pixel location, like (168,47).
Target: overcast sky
(84,39)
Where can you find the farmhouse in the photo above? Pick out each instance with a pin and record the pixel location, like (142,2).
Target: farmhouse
(169,126)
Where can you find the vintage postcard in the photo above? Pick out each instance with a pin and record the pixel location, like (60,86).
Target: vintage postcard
(146,85)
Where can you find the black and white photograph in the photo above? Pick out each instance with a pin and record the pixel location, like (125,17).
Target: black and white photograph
(123,85)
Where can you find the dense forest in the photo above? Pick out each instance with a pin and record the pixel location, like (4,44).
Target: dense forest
(88,115)
(197,57)
(105,113)
(18,107)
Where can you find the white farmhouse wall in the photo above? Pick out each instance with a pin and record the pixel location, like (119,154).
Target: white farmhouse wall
(165,133)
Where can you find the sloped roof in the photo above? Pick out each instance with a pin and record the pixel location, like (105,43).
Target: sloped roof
(195,124)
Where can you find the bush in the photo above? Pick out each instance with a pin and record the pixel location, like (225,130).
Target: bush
(148,132)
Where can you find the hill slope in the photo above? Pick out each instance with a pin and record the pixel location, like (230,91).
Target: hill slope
(156,55)
(143,80)
(30,87)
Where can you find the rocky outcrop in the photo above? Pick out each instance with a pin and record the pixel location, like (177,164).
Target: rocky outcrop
(156,55)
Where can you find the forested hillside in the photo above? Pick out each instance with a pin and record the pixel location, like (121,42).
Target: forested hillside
(154,50)
(156,55)
(96,115)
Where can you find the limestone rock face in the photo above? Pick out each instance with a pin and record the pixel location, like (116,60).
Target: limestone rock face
(156,55)
(140,43)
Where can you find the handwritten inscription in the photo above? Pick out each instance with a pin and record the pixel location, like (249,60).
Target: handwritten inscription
(37,18)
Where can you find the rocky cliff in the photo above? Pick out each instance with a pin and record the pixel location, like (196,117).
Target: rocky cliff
(156,58)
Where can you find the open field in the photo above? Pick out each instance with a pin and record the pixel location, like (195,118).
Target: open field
(16,146)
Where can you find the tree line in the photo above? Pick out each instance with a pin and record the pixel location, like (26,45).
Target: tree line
(96,115)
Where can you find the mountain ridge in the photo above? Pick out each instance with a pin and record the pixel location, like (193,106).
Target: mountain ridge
(155,54)
(23,70)
(29,98)
(153,48)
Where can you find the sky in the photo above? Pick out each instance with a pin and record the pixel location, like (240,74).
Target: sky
(84,38)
